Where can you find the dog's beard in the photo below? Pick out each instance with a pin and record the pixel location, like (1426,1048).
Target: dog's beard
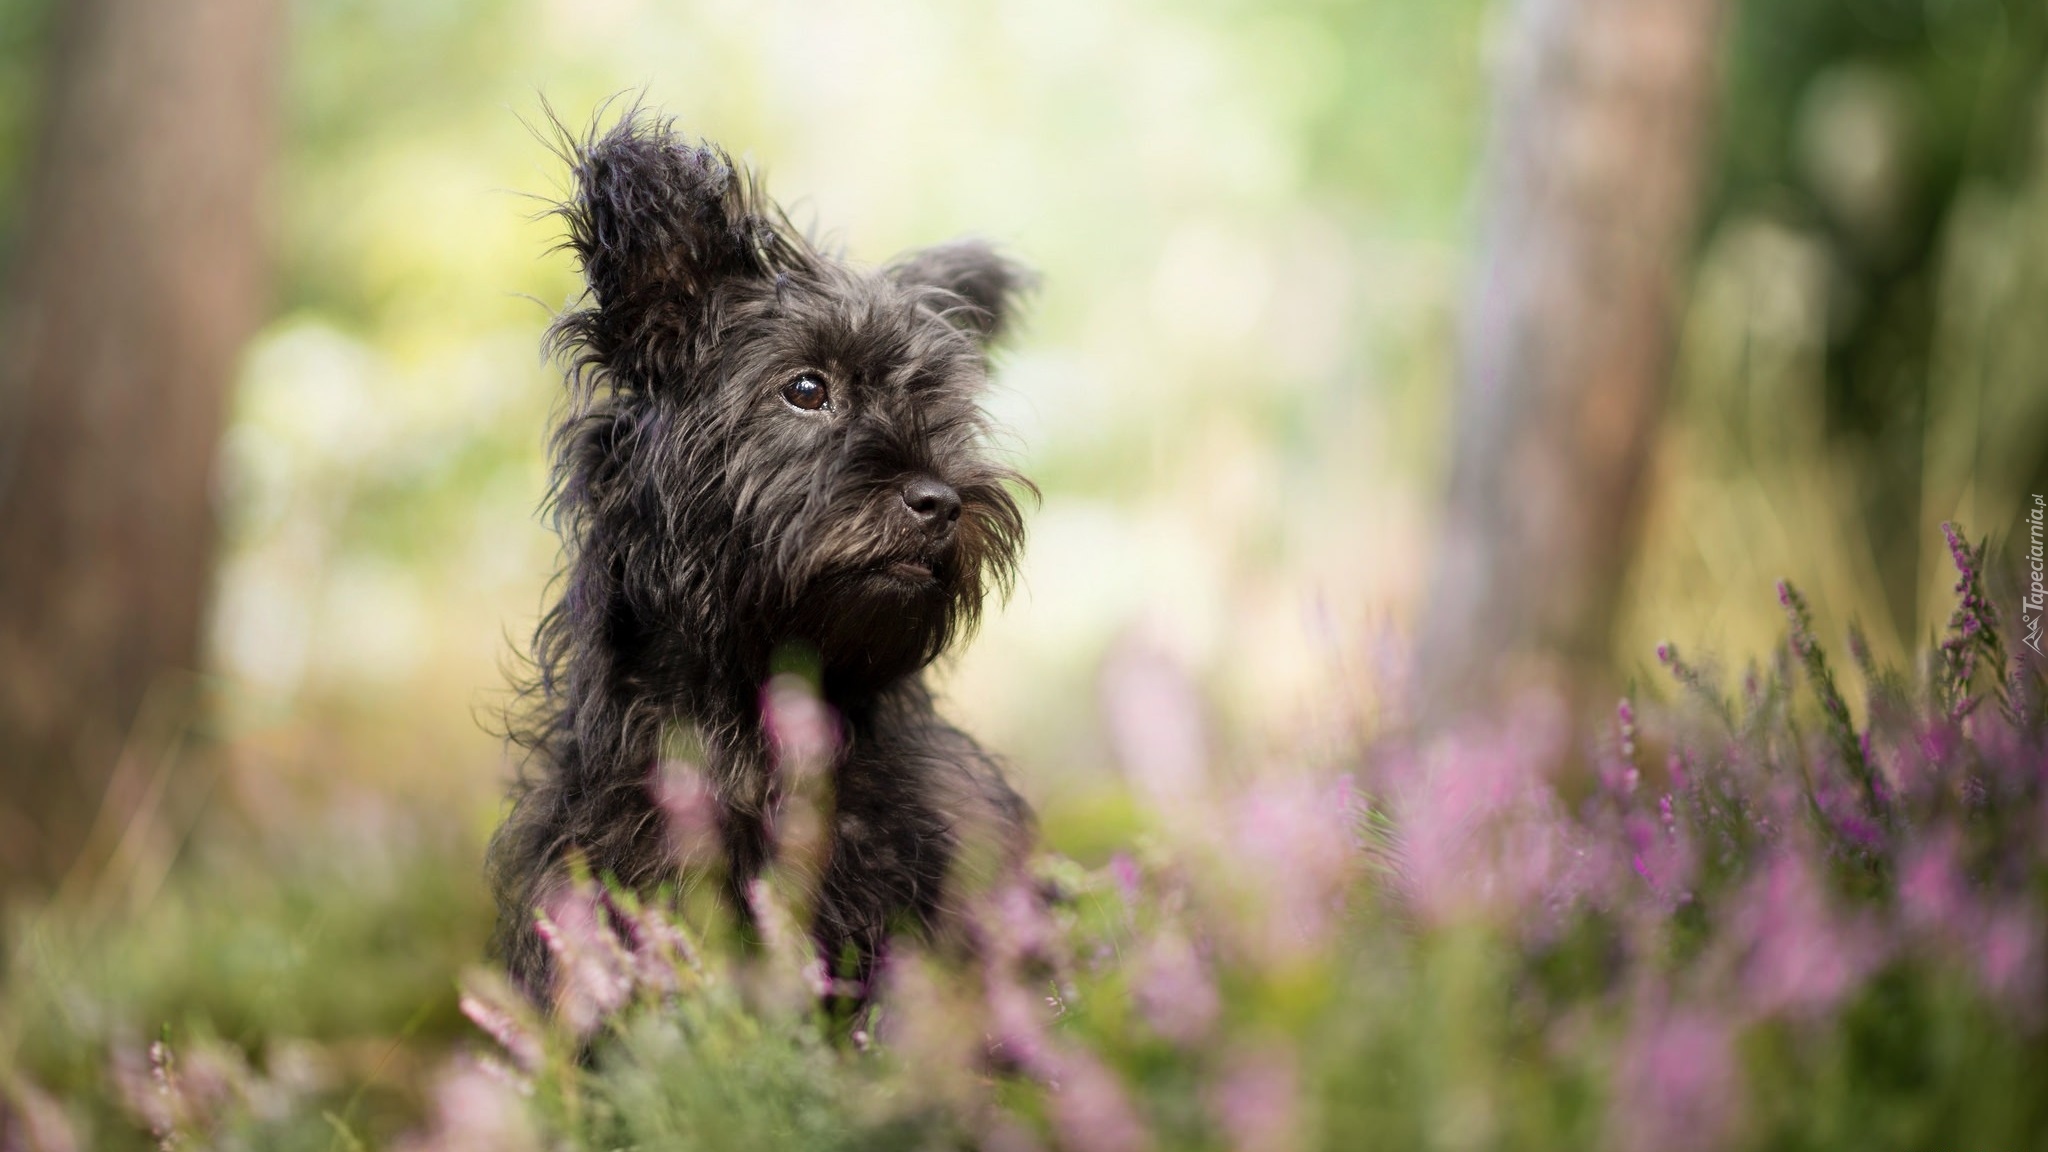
(879,600)
(877,623)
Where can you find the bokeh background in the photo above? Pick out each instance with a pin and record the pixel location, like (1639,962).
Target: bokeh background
(1260,227)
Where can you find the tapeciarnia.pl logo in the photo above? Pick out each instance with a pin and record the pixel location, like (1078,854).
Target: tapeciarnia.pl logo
(2037,587)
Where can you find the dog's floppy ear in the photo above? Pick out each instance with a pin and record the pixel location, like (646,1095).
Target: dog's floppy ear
(984,286)
(658,222)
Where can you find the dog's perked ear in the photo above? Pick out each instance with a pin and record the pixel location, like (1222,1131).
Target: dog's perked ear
(659,222)
(980,287)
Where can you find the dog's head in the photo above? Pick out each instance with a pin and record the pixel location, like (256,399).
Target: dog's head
(771,446)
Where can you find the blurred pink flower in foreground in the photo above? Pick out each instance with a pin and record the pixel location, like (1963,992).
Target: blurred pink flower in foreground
(2002,942)
(1281,848)
(474,1110)
(1015,927)
(179,1097)
(1156,725)
(1480,830)
(1799,956)
(689,811)
(661,949)
(802,729)
(501,1018)
(1290,849)
(1676,1083)
(797,976)
(1934,896)
(33,1121)
(803,732)
(593,971)
(1174,990)
(1090,1112)
(1256,1100)
(1089,1109)
(2010,961)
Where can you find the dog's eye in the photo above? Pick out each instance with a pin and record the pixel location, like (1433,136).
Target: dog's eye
(806,392)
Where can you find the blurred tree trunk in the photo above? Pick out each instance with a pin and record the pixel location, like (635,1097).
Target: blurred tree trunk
(140,274)
(1593,180)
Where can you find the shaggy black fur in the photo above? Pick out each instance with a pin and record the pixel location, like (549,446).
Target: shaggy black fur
(713,518)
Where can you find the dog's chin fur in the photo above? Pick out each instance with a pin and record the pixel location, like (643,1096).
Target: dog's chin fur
(709,526)
(874,627)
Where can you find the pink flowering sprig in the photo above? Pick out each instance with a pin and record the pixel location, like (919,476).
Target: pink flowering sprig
(33,1118)
(473,1107)
(804,737)
(1972,630)
(610,949)
(1697,681)
(593,972)
(509,1019)
(186,1096)
(1678,1083)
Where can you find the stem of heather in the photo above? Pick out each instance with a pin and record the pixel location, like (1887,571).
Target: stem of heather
(1834,709)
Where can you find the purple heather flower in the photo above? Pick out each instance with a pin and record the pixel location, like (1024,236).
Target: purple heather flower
(689,812)
(1014,922)
(1123,871)
(2012,763)
(1939,741)
(2010,960)
(1934,899)
(502,1015)
(1480,829)
(1256,1100)
(474,1111)
(1174,990)
(1965,560)
(2004,943)
(1017,1022)
(144,1085)
(802,729)
(1090,1111)
(593,971)
(1155,719)
(1290,847)
(41,1122)
(788,945)
(1971,626)
(179,1095)
(661,949)
(1677,1085)
(1802,637)
(1845,814)
(1801,959)
(1658,852)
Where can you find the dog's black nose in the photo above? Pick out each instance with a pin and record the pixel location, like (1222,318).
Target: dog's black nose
(935,505)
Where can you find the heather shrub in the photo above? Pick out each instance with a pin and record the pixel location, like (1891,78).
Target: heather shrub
(1797,907)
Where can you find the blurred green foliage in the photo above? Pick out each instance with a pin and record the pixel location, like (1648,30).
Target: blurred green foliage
(1871,126)
(1858,366)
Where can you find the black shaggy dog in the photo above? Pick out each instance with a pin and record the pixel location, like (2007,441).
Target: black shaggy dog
(766,450)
